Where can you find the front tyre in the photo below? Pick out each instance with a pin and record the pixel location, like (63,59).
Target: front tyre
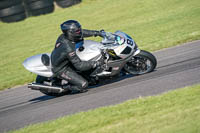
(142,63)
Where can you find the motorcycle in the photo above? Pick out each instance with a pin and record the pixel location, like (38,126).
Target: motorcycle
(119,51)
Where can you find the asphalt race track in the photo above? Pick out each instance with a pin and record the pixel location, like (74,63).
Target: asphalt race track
(177,67)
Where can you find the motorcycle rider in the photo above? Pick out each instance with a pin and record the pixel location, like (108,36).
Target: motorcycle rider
(64,60)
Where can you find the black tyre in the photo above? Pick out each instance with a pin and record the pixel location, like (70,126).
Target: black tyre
(8,3)
(41,80)
(29,1)
(142,63)
(40,4)
(66,3)
(13,14)
(43,11)
(14,18)
(12,10)
(39,7)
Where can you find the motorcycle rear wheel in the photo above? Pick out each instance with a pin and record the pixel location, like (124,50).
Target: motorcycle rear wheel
(41,80)
(142,63)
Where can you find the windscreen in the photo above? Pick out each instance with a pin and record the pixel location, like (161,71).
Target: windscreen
(120,40)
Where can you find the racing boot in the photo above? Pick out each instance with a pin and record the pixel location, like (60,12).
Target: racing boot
(72,89)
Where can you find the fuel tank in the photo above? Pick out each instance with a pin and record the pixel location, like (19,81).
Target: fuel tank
(90,50)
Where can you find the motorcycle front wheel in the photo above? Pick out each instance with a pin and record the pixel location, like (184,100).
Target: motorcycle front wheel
(142,63)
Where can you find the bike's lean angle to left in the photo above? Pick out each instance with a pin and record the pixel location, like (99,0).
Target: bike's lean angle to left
(120,51)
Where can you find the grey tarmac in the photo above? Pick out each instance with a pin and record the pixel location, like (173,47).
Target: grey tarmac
(177,67)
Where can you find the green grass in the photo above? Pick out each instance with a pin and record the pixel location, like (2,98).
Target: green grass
(174,112)
(154,24)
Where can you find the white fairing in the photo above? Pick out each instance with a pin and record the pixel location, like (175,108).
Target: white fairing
(124,46)
(118,49)
(34,64)
(91,50)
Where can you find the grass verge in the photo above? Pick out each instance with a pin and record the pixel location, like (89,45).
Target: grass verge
(174,112)
(155,24)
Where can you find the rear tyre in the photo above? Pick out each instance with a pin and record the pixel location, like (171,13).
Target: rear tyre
(142,63)
(41,80)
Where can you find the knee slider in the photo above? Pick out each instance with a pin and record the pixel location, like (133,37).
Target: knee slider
(84,85)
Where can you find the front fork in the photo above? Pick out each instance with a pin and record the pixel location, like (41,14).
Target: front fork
(137,51)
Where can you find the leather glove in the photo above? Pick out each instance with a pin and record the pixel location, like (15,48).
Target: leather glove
(102,33)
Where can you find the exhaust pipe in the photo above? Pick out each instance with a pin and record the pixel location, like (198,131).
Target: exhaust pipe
(46,88)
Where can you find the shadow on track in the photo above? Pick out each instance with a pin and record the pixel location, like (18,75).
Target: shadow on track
(71,95)
(41,98)
(108,81)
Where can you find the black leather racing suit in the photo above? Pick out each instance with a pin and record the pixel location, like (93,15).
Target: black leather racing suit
(64,60)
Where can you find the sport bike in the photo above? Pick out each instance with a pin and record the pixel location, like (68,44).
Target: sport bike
(119,51)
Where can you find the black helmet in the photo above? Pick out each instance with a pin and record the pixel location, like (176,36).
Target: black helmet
(72,30)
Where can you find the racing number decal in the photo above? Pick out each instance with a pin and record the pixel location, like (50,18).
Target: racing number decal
(130,42)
